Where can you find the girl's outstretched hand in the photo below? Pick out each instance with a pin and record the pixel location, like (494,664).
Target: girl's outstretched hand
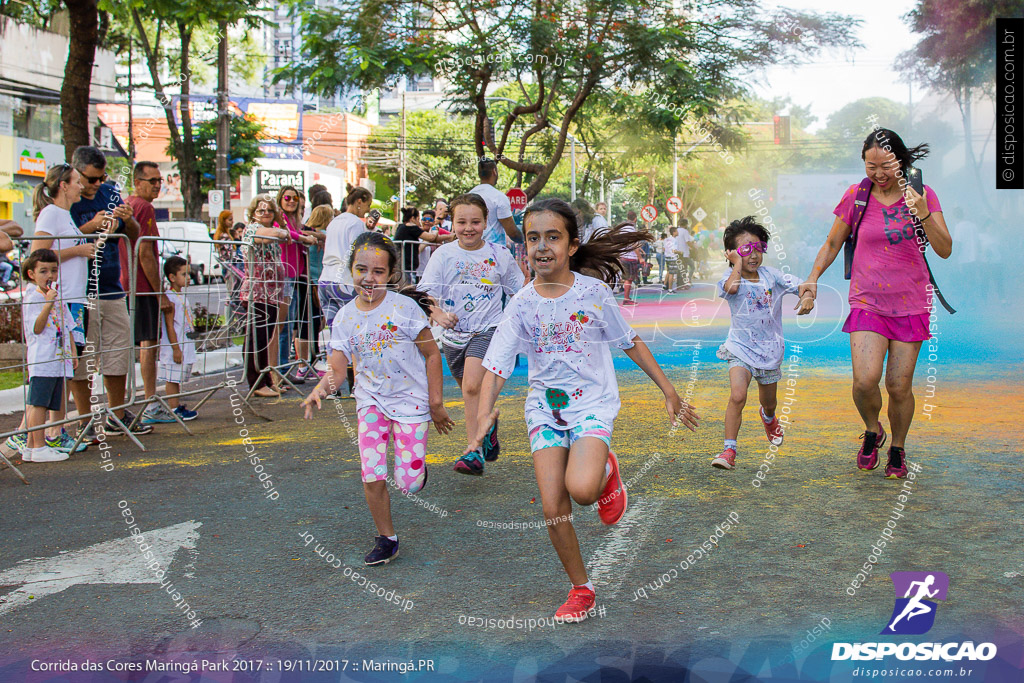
(484,427)
(680,411)
(314,397)
(442,423)
(805,305)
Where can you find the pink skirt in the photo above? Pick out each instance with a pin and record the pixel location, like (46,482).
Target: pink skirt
(902,328)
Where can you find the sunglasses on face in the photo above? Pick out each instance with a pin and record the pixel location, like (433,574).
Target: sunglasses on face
(153,181)
(289,198)
(749,247)
(92,180)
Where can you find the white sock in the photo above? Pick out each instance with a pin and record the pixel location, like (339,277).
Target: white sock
(765,418)
(392,538)
(588,585)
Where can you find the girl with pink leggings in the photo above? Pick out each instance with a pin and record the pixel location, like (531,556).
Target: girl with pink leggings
(386,336)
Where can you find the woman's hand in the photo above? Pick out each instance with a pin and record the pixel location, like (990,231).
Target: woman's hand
(679,411)
(809,287)
(917,204)
(439,415)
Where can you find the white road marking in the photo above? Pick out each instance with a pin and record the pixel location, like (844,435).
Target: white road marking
(117,561)
(622,546)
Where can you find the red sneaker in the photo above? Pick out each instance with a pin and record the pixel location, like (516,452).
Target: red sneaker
(581,600)
(612,503)
(774,431)
(726,459)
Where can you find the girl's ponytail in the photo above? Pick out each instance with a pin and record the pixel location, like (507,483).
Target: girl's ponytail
(600,256)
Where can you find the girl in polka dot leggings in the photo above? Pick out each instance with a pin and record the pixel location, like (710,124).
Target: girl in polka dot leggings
(387,337)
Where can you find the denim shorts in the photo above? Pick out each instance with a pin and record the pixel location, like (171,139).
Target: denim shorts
(771,376)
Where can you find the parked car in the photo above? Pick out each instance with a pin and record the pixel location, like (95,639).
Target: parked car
(198,250)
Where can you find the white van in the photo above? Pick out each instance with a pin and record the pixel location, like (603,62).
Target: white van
(199,251)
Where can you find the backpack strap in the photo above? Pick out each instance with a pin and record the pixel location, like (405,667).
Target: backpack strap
(860,205)
(923,240)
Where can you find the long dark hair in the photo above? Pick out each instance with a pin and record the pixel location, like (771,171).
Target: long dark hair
(891,143)
(395,280)
(410,212)
(600,256)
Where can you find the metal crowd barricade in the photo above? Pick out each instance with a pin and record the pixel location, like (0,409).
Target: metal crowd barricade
(214,303)
(97,414)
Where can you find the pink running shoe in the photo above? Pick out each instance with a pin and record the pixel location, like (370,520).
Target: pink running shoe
(774,430)
(896,468)
(867,456)
(612,503)
(726,460)
(581,600)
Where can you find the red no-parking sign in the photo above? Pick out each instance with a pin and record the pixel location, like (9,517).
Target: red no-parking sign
(674,205)
(517,198)
(649,213)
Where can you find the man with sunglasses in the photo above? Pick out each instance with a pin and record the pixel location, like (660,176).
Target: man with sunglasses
(101,210)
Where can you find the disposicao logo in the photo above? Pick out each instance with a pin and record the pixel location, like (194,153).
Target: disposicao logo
(914,614)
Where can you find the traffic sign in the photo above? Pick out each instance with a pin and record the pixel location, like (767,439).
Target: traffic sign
(215,199)
(517,198)
(649,213)
(700,214)
(674,205)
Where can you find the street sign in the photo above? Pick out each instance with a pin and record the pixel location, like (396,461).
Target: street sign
(649,213)
(215,199)
(700,214)
(517,198)
(674,205)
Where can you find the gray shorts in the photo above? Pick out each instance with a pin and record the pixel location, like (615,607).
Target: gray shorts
(762,376)
(46,392)
(476,348)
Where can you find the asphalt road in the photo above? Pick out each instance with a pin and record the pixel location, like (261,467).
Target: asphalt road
(241,560)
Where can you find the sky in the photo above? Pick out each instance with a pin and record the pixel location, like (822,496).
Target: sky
(836,78)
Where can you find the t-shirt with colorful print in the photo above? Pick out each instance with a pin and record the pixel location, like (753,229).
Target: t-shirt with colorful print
(889,276)
(567,341)
(49,353)
(391,373)
(470,284)
(755,330)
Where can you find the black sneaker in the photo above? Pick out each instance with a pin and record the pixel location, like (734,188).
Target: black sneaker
(128,418)
(385,551)
(473,463)
(491,447)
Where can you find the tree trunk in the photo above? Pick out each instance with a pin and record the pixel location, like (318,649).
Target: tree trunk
(185,150)
(74,92)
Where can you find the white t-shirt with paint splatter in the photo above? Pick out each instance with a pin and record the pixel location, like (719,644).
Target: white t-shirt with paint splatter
(568,343)
(470,284)
(390,371)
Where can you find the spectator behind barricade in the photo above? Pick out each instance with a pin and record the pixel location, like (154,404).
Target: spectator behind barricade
(293,255)
(55,229)
(101,210)
(319,219)
(8,229)
(409,235)
(441,216)
(313,192)
(225,233)
(262,289)
(177,348)
(429,222)
(499,208)
(148,300)
(50,355)
(335,282)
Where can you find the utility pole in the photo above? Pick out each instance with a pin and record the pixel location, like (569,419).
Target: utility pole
(223,179)
(401,164)
(675,177)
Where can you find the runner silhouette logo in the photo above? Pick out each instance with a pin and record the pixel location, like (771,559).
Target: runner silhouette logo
(914,612)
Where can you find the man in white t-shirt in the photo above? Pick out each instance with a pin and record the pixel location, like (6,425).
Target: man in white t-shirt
(683,239)
(499,209)
(443,220)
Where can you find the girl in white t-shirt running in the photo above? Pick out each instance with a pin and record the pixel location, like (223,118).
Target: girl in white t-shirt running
(386,336)
(566,322)
(467,279)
